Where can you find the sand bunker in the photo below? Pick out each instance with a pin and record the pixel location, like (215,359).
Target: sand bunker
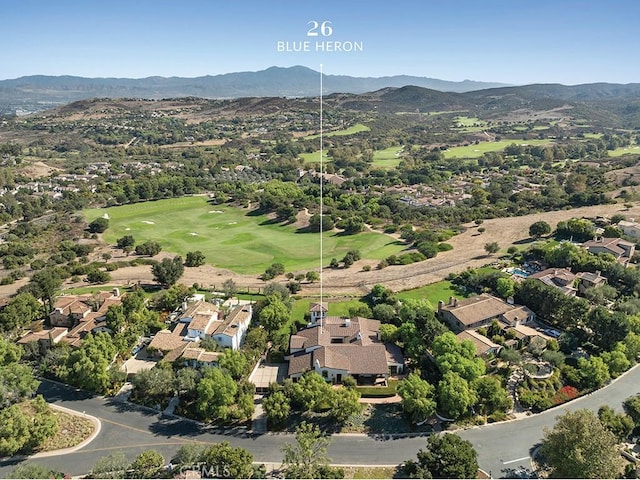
(148,222)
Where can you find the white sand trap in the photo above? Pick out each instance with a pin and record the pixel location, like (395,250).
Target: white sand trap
(232,223)
(148,222)
(193,233)
(216,211)
(127,229)
(106,215)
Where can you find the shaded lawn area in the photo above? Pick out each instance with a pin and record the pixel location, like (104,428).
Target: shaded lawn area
(233,238)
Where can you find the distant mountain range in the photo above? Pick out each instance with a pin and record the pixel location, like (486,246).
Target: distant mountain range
(38,92)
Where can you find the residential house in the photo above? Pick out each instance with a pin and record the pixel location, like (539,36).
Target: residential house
(202,318)
(474,312)
(199,357)
(589,280)
(560,278)
(484,346)
(630,228)
(68,310)
(231,331)
(336,347)
(45,338)
(94,321)
(622,250)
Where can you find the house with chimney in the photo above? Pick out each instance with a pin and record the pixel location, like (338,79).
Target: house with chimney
(475,312)
(335,347)
(621,249)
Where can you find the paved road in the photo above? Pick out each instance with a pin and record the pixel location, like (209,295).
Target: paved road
(132,429)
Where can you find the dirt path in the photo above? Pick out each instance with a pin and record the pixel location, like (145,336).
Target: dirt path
(468,251)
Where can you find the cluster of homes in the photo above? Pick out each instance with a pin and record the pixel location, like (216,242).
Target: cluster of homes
(75,316)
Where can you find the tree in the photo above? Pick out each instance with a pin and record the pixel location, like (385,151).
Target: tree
(344,403)
(632,408)
(149,248)
(234,362)
(593,372)
(620,424)
(312,276)
(45,283)
(540,228)
(505,287)
(98,276)
(491,248)
(579,446)
(168,271)
(87,366)
(446,456)
(14,430)
(99,225)
(273,271)
(351,257)
(229,287)
(174,296)
(216,394)
(417,398)
(455,397)
(113,465)
(125,241)
(21,310)
(195,259)
(227,461)
(453,355)
(274,314)
(307,457)
(492,396)
(311,392)
(33,470)
(154,386)
(146,465)
(276,408)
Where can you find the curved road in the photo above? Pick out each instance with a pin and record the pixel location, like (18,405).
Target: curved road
(132,429)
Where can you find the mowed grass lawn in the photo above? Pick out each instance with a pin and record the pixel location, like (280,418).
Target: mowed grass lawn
(387,158)
(231,237)
(476,151)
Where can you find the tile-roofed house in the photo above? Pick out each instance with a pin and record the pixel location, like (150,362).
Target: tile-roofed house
(68,310)
(589,280)
(46,337)
(201,317)
(475,312)
(484,346)
(199,357)
(165,340)
(231,331)
(623,250)
(336,347)
(560,278)
(93,322)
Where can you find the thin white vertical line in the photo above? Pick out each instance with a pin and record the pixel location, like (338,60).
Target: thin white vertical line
(321,196)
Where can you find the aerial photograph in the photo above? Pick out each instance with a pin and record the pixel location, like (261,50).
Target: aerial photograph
(338,239)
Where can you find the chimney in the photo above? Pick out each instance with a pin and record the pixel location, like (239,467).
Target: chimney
(455,302)
(347,322)
(116,292)
(440,305)
(184,307)
(452,301)
(598,272)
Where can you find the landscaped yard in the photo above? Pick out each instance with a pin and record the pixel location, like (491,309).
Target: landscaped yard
(433,293)
(357,128)
(233,238)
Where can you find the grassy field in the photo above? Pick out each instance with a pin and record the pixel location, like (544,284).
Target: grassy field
(336,309)
(432,293)
(476,151)
(231,237)
(631,149)
(357,128)
(387,158)
(314,157)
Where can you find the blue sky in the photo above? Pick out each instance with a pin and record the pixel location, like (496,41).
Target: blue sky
(510,41)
